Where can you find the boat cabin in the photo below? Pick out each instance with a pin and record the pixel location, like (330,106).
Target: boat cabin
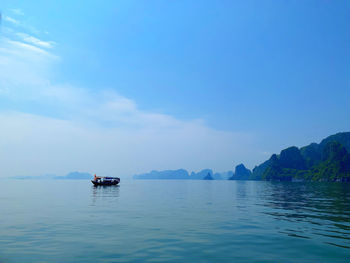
(105,180)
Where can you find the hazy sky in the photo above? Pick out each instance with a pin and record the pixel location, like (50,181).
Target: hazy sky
(123,87)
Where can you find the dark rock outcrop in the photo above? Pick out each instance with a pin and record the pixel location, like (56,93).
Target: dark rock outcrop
(292,158)
(241,173)
(208,177)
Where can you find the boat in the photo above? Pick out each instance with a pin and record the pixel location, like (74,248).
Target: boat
(98,180)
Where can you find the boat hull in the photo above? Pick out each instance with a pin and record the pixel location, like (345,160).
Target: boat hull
(105,183)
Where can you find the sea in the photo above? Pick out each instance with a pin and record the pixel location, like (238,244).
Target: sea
(174,221)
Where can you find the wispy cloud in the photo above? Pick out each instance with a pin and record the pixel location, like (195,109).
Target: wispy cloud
(57,127)
(17,11)
(18,22)
(23,53)
(15,32)
(11,20)
(18,45)
(23,65)
(35,41)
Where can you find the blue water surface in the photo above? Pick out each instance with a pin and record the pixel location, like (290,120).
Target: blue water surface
(174,221)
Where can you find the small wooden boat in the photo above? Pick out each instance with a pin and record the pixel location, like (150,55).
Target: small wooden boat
(105,180)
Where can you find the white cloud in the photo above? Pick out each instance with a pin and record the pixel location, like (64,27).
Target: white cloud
(19,23)
(28,47)
(41,145)
(17,11)
(101,131)
(23,67)
(35,41)
(11,20)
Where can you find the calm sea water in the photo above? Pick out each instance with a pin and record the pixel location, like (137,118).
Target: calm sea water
(174,221)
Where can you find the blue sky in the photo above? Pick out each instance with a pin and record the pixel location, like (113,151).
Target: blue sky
(169,84)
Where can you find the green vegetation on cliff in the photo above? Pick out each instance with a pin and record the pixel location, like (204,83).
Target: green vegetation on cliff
(327,161)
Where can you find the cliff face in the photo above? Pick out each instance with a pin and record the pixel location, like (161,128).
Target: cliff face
(208,177)
(241,173)
(334,165)
(342,138)
(327,161)
(259,170)
(311,154)
(292,158)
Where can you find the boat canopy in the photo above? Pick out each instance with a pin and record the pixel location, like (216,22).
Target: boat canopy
(105,178)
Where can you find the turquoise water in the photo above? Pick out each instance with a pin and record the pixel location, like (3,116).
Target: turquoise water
(174,221)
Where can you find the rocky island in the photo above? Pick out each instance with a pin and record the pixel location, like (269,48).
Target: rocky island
(327,161)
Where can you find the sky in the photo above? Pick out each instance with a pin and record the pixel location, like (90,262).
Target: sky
(125,87)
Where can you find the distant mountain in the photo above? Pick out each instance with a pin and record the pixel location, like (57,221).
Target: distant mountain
(201,174)
(327,161)
(208,177)
(75,176)
(182,174)
(217,176)
(167,174)
(223,176)
(39,177)
(241,173)
(70,176)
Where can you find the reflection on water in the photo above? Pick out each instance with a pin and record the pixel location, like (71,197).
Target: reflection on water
(104,193)
(323,205)
(241,188)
